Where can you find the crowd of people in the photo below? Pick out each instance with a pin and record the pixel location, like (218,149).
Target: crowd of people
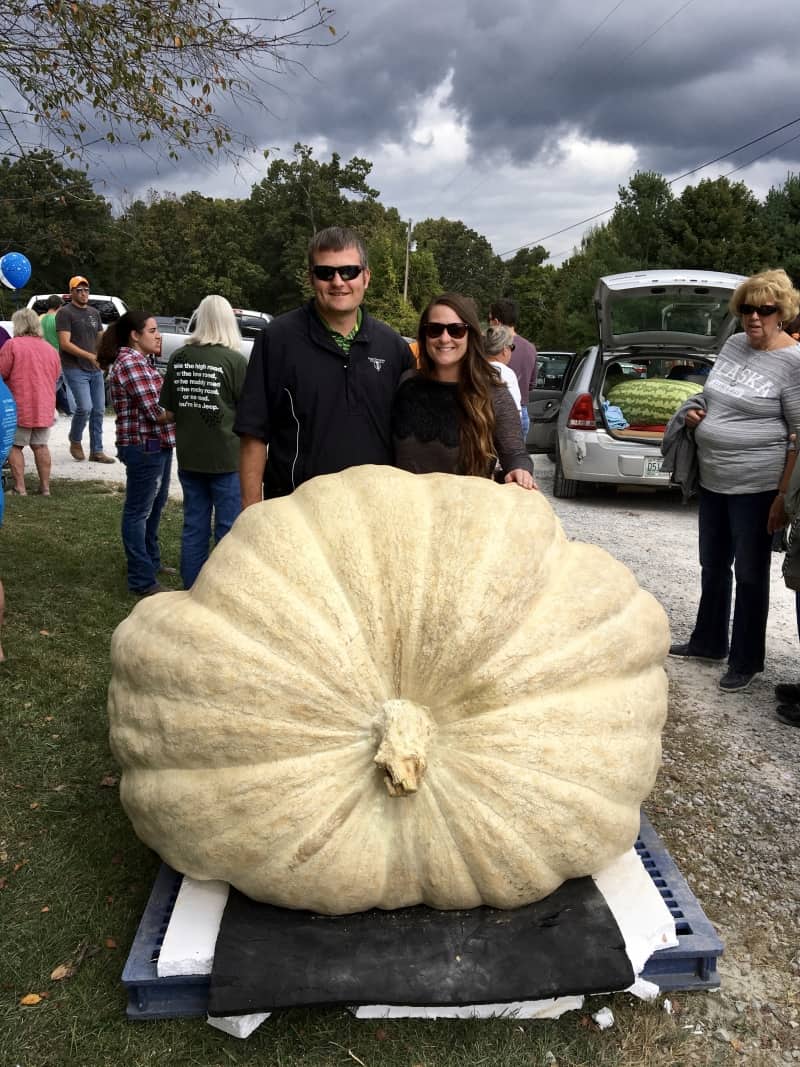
(328,386)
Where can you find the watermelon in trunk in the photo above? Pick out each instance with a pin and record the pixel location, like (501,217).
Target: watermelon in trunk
(651,401)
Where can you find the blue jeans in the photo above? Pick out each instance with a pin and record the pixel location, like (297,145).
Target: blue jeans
(89,391)
(526,422)
(65,402)
(203,493)
(146,491)
(733,533)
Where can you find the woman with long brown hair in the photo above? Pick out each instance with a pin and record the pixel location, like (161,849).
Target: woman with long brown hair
(454,414)
(145,440)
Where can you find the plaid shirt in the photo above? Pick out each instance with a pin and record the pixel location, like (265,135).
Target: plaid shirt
(135,387)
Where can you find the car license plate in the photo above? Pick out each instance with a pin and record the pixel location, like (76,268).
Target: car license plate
(653,466)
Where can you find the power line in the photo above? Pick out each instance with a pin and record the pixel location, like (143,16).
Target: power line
(599,25)
(650,36)
(727,174)
(452,181)
(556,233)
(472,189)
(672,181)
(755,159)
(741,148)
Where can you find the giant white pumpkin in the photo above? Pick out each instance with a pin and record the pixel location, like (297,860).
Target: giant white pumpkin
(389,689)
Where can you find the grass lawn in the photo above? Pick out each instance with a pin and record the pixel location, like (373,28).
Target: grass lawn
(74,879)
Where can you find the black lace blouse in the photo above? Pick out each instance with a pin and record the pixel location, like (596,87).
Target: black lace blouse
(426,419)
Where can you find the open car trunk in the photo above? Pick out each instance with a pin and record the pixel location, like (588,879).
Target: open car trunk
(641,391)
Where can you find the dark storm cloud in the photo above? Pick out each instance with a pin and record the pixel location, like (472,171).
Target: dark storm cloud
(524,73)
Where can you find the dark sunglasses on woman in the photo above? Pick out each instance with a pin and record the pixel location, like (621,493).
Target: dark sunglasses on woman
(457,330)
(346,273)
(763,310)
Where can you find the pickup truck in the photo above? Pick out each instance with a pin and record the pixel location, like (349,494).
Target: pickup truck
(251,323)
(111,308)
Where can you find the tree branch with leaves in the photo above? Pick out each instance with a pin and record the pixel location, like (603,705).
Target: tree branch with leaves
(80,75)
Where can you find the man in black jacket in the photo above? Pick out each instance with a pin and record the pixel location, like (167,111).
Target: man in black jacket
(320,382)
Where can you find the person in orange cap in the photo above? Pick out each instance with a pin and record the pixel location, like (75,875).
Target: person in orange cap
(79,331)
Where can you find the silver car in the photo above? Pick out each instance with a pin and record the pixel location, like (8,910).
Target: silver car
(666,324)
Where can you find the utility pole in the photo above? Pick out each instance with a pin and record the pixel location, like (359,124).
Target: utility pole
(408,251)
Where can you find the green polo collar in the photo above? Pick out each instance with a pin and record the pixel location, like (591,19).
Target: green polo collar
(343,340)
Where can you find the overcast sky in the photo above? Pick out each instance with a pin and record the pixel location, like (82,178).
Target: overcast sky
(521,118)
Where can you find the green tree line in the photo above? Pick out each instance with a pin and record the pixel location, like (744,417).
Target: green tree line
(166,252)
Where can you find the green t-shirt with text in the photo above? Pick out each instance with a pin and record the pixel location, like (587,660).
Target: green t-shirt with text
(201,387)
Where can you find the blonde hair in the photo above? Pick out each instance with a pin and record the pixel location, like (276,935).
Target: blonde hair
(215,324)
(768,287)
(26,323)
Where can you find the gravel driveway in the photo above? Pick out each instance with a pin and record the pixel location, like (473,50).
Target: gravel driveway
(726,802)
(64,466)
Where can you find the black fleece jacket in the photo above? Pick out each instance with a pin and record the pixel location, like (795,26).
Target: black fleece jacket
(318,409)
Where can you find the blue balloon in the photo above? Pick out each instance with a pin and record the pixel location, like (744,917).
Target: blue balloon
(15,270)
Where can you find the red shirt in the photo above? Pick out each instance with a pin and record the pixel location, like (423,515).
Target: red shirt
(31,368)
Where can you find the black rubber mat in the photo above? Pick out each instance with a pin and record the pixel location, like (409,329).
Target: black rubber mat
(269,957)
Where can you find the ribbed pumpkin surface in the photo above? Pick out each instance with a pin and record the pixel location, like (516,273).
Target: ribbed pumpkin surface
(511,681)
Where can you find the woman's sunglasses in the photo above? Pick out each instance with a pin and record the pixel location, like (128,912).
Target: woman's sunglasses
(762,310)
(457,330)
(347,273)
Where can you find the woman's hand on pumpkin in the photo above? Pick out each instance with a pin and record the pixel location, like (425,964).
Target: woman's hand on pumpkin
(521,477)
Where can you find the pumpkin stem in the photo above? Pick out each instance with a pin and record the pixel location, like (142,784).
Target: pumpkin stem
(404,730)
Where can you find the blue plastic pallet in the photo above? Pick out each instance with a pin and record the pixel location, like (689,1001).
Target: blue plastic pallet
(692,964)
(151,997)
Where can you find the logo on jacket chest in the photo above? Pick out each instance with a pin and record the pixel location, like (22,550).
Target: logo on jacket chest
(376,363)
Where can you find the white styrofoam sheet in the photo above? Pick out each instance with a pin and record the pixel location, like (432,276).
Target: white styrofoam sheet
(238,1025)
(191,935)
(551,1008)
(643,918)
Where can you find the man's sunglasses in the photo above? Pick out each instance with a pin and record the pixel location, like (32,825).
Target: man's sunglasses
(763,310)
(347,273)
(457,330)
(81,288)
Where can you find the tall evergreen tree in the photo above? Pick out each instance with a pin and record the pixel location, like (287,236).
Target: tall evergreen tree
(718,225)
(465,261)
(781,222)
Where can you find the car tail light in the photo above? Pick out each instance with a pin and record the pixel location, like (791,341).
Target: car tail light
(581,416)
